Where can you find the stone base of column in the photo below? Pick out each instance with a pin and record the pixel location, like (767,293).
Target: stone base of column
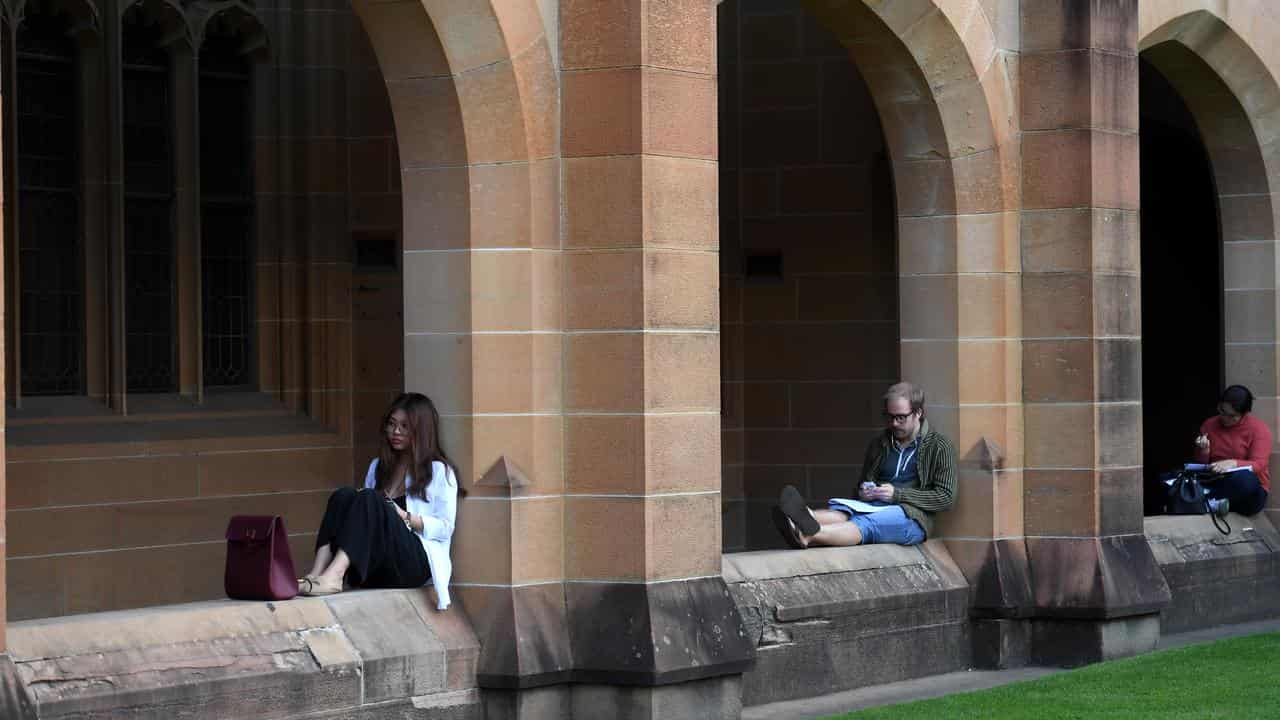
(1095,578)
(1000,643)
(710,699)
(543,703)
(1069,643)
(524,636)
(1096,598)
(998,575)
(640,634)
(1000,581)
(656,633)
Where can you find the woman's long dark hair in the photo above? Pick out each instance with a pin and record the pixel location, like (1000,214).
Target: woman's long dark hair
(424,444)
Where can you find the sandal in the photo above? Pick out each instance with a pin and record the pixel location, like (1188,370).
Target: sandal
(795,508)
(315,588)
(788,529)
(305,585)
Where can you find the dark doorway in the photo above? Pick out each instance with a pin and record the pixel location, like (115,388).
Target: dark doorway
(1182,334)
(809,285)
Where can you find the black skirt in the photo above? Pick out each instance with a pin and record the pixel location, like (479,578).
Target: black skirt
(383,552)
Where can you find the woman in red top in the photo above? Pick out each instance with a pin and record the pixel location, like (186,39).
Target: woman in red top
(1235,439)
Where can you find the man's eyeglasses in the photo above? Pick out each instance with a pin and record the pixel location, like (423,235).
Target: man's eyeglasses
(896,418)
(395,428)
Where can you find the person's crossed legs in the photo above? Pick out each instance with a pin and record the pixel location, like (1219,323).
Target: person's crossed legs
(802,527)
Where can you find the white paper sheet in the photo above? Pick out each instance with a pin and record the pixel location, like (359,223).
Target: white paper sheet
(860,506)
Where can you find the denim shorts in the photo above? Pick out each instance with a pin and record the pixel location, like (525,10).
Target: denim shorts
(886,526)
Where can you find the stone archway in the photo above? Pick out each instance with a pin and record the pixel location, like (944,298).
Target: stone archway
(943,91)
(1235,102)
(939,96)
(473,92)
(956,275)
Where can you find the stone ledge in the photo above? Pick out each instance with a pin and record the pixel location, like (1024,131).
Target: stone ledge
(374,654)
(1216,579)
(780,564)
(831,619)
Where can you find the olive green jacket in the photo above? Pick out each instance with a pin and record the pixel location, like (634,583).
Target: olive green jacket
(935,488)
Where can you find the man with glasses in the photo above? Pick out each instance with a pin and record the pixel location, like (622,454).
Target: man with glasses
(908,475)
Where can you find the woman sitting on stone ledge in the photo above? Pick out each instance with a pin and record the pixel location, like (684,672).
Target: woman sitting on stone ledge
(396,531)
(1230,442)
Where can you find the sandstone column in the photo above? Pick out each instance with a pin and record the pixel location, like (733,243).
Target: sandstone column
(1095,585)
(647,606)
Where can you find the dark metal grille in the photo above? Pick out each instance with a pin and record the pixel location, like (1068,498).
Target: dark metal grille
(149,252)
(227,222)
(50,273)
(226,284)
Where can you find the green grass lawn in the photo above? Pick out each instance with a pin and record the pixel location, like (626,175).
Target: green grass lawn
(1231,679)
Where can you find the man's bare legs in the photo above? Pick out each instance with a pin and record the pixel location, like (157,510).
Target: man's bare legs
(835,530)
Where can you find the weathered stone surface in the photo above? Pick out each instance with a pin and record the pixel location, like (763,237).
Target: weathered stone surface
(655,633)
(459,705)
(1106,577)
(524,641)
(1216,579)
(364,654)
(400,655)
(830,619)
(711,699)
(552,701)
(1078,642)
(1000,643)
(998,575)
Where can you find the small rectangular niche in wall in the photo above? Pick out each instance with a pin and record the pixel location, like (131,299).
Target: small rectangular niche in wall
(375,250)
(763,267)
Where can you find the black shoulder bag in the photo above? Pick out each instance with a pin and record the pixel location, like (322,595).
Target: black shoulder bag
(1187,495)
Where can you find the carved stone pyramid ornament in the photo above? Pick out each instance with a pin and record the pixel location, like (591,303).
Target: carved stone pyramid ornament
(505,474)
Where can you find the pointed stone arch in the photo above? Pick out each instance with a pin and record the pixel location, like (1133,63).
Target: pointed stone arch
(474,96)
(85,18)
(945,94)
(940,94)
(1235,101)
(167,14)
(472,89)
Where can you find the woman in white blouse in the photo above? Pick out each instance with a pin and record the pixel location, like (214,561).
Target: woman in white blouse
(396,531)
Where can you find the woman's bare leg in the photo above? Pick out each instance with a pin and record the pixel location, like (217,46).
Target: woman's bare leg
(324,555)
(337,569)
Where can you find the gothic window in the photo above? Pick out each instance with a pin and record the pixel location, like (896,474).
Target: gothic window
(51,313)
(148,212)
(139,164)
(227,217)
